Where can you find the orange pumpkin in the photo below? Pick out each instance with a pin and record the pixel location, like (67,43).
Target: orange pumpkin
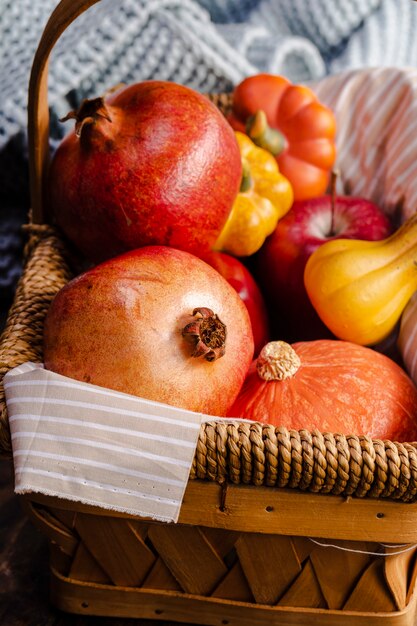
(334,386)
(306,150)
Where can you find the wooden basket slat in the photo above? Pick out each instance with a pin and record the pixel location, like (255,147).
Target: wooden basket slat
(65,516)
(329,579)
(371,591)
(189,556)
(303,547)
(52,528)
(270,564)
(117,548)
(396,572)
(58,560)
(234,586)
(305,591)
(412,583)
(139,528)
(337,571)
(161,578)
(85,567)
(221,540)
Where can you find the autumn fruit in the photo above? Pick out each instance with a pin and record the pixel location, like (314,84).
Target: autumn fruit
(334,386)
(154,163)
(407,337)
(291,122)
(282,260)
(360,288)
(155,322)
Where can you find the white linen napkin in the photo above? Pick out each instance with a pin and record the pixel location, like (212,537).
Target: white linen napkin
(101,447)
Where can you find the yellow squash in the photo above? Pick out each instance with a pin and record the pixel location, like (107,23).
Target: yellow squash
(360,288)
(407,337)
(265,196)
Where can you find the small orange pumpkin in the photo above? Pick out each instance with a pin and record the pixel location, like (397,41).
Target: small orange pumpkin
(298,129)
(332,385)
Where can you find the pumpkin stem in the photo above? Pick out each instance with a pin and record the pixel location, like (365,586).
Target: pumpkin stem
(263,135)
(277,361)
(207,333)
(87,113)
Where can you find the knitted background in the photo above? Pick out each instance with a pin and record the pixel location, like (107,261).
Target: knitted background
(209,45)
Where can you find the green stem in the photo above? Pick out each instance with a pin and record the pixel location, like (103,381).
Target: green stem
(247,181)
(263,135)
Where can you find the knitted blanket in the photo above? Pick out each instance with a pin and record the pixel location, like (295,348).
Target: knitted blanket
(209,45)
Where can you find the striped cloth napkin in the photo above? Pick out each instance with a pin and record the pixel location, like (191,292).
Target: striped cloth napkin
(376,141)
(100,447)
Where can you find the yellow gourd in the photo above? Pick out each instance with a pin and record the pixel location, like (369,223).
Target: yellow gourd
(265,196)
(407,337)
(360,288)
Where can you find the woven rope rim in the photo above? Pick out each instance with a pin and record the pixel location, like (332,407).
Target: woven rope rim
(237,452)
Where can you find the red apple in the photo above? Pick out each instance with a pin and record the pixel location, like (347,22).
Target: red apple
(282,259)
(240,278)
(155,163)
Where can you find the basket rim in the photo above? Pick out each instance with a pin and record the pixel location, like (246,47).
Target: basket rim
(280,511)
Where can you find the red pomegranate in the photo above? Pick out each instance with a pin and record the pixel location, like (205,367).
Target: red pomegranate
(155,322)
(154,164)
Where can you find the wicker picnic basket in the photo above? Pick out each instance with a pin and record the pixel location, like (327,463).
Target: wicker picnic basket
(277,526)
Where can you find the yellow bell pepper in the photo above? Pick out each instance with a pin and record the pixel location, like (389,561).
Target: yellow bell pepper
(265,196)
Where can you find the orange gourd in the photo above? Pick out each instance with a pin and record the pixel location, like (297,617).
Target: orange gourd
(332,385)
(305,144)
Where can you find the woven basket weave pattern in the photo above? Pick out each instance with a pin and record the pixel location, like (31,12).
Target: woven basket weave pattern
(221,564)
(45,272)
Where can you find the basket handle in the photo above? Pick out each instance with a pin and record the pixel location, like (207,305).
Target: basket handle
(38,112)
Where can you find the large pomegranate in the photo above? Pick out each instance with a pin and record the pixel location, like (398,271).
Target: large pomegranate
(155,163)
(155,322)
